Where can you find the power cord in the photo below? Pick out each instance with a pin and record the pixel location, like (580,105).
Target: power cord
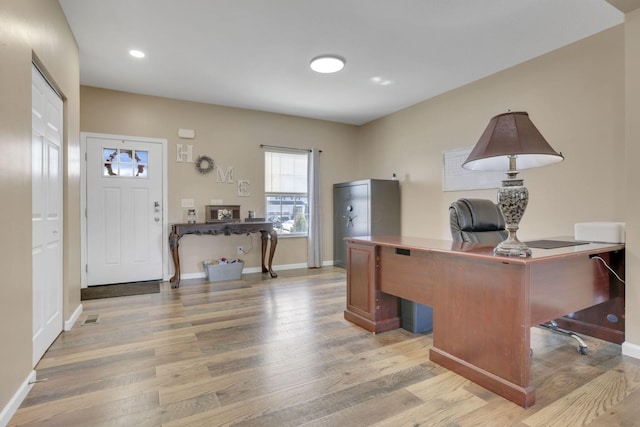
(610,269)
(251,241)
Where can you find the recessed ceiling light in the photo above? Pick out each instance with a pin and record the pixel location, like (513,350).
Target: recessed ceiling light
(327,64)
(381,81)
(136,53)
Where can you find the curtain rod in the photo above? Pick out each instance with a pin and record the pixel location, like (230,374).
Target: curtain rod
(286,148)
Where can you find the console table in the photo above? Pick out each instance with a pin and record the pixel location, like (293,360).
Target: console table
(225,228)
(483,305)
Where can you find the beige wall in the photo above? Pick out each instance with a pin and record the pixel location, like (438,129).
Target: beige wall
(231,137)
(574,95)
(32,30)
(632,46)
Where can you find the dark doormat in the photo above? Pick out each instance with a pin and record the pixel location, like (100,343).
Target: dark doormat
(119,290)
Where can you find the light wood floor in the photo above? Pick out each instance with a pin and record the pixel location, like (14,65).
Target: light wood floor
(277,352)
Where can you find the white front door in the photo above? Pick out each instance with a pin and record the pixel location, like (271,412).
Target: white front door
(46,216)
(124,210)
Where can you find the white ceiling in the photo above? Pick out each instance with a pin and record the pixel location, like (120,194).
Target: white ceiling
(255,54)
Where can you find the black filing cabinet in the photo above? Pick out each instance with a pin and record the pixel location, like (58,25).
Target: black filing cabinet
(369,207)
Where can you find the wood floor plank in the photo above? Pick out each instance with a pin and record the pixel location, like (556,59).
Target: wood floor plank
(173,393)
(115,351)
(81,383)
(93,403)
(331,403)
(371,412)
(175,410)
(432,413)
(495,412)
(285,397)
(591,400)
(624,414)
(278,352)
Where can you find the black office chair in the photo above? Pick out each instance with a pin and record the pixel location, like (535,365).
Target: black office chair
(480,221)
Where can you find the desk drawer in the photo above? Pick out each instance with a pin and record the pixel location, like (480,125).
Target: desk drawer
(407,274)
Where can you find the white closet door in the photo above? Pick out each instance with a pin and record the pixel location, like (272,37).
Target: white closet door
(46,216)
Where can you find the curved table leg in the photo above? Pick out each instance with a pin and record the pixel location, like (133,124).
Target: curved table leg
(264,237)
(175,254)
(272,251)
(274,242)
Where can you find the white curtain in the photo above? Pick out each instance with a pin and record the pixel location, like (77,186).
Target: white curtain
(314,248)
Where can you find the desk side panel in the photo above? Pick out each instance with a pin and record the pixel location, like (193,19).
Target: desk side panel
(408,274)
(564,285)
(481,317)
(361,279)
(367,306)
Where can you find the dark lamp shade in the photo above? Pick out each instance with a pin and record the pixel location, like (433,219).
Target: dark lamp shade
(511,134)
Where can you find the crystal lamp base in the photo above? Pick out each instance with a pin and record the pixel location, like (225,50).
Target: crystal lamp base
(513,198)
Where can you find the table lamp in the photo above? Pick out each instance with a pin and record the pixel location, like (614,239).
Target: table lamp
(511,137)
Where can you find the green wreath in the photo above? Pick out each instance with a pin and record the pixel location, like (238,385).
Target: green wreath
(204,164)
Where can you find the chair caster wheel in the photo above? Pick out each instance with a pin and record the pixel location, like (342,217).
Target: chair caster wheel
(583,350)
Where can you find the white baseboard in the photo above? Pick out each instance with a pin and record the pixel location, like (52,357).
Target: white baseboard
(631,350)
(284,267)
(280,267)
(185,276)
(68,324)
(15,402)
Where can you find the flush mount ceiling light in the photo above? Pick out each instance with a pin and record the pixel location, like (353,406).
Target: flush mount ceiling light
(136,53)
(327,64)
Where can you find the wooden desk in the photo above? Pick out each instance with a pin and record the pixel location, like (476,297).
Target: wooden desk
(226,228)
(483,305)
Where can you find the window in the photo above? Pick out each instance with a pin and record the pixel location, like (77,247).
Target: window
(125,163)
(285,187)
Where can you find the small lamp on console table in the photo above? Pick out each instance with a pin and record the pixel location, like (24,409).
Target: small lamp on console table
(511,137)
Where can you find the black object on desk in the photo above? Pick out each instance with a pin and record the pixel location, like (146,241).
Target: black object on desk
(553,244)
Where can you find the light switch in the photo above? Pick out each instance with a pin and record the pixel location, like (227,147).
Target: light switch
(187,203)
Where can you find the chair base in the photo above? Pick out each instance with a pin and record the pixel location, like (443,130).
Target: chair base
(553,327)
